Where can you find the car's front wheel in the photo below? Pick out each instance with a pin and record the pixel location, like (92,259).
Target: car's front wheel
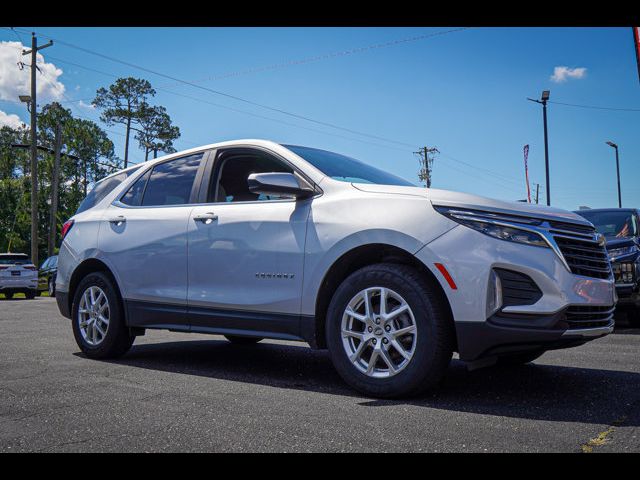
(388,332)
(52,287)
(98,318)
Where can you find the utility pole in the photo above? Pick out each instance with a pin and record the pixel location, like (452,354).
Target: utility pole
(55,178)
(34,147)
(425,158)
(537,191)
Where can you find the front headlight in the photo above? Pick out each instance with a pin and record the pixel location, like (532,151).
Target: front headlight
(618,252)
(503,227)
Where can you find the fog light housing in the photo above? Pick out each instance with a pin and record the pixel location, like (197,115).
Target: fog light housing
(494,294)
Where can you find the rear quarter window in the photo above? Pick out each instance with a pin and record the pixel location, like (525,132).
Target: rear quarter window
(102,189)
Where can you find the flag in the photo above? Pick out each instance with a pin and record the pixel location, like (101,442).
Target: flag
(636,42)
(526,172)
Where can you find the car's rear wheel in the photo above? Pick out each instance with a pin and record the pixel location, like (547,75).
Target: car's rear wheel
(30,295)
(519,358)
(8,295)
(98,318)
(240,340)
(388,332)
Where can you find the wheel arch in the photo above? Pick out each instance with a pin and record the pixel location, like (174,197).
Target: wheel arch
(90,265)
(356,259)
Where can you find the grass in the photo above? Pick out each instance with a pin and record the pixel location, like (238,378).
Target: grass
(21,295)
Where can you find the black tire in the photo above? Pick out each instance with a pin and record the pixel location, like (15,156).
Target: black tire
(435,338)
(30,295)
(240,340)
(8,295)
(519,358)
(118,339)
(52,287)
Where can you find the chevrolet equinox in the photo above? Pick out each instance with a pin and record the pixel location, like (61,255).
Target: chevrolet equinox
(252,239)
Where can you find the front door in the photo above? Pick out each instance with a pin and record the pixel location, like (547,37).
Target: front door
(246,252)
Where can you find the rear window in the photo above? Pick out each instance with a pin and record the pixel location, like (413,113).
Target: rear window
(102,189)
(14,260)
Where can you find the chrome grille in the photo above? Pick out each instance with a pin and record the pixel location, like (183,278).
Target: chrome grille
(583,253)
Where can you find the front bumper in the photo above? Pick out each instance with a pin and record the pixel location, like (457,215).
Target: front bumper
(470,256)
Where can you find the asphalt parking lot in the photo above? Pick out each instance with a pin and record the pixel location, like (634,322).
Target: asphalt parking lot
(187,392)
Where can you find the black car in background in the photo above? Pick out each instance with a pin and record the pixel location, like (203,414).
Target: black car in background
(47,275)
(620,227)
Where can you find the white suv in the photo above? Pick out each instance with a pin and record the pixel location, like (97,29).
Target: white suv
(252,239)
(18,275)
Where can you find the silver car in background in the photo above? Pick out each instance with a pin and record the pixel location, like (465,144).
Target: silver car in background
(252,239)
(18,275)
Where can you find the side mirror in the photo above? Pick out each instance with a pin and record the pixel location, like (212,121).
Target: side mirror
(276,183)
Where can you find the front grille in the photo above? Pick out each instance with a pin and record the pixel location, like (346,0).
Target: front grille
(584,256)
(589,316)
(517,288)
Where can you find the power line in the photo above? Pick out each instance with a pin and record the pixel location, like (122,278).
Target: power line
(594,107)
(113,59)
(326,56)
(200,100)
(227,95)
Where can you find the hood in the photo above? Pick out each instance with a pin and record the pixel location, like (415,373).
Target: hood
(613,242)
(466,200)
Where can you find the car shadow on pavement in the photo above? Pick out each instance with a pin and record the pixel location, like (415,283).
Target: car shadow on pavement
(534,391)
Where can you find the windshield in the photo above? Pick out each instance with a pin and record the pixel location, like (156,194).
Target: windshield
(614,223)
(14,260)
(346,169)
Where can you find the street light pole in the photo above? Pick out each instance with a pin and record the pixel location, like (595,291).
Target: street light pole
(613,145)
(543,100)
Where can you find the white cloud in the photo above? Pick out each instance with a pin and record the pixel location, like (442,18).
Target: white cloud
(88,106)
(14,82)
(562,74)
(11,120)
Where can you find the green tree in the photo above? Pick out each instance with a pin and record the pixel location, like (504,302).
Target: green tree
(156,132)
(121,103)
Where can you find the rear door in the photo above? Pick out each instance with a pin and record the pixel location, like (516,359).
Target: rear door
(143,237)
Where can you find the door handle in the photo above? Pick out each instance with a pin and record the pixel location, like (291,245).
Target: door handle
(119,220)
(206,218)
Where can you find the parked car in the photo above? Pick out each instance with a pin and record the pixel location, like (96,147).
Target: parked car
(620,229)
(47,275)
(18,275)
(252,239)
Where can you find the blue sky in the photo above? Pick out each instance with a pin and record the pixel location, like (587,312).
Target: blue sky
(464,92)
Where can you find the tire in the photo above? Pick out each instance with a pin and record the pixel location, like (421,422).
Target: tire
(240,340)
(519,358)
(30,295)
(117,339)
(430,343)
(8,295)
(52,287)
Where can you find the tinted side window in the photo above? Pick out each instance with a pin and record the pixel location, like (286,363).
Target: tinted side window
(171,182)
(103,188)
(100,190)
(133,196)
(232,175)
